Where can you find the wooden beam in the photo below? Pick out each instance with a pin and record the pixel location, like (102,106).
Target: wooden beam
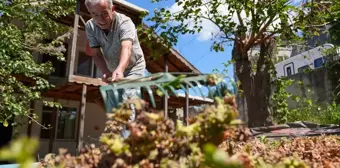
(178,68)
(53,129)
(87,80)
(183,60)
(186,107)
(71,96)
(60,95)
(171,67)
(89,89)
(74,41)
(81,119)
(71,88)
(153,67)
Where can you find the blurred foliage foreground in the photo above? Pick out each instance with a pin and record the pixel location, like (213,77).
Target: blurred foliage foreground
(213,138)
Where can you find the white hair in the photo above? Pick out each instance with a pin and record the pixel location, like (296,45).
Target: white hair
(94,2)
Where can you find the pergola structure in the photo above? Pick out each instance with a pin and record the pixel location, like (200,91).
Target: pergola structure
(86,89)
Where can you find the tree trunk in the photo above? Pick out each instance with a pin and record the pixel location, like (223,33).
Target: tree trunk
(6,137)
(256,82)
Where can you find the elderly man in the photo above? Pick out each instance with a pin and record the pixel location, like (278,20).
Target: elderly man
(114,43)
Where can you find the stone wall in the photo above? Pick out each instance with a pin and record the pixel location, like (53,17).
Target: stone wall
(317,81)
(316,86)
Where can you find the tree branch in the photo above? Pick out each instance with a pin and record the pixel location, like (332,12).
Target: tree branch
(239,17)
(259,34)
(210,19)
(265,38)
(32,119)
(228,38)
(185,10)
(253,16)
(320,25)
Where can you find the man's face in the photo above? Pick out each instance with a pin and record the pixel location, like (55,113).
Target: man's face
(102,14)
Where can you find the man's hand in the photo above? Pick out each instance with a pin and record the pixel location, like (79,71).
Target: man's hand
(106,76)
(117,75)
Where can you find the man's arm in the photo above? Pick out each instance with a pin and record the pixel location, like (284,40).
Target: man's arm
(100,63)
(127,34)
(94,47)
(99,60)
(125,56)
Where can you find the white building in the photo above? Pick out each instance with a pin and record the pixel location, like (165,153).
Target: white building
(313,58)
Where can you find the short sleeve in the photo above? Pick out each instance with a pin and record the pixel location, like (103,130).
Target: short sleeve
(93,43)
(127,30)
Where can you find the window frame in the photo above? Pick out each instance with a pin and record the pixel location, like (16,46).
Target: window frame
(322,63)
(57,125)
(92,65)
(290,68)
(288,65)
(95,71)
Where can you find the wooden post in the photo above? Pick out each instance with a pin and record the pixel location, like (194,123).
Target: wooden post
(74,41)
(186,107)
(165,98)
(81,119)
(53,129)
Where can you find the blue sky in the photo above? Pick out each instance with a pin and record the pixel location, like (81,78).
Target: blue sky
(193,47)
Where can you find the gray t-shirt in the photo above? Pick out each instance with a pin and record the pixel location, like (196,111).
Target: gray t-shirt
(122,29)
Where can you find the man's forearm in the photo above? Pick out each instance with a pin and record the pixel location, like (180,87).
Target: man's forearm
(125,57)
(100,63)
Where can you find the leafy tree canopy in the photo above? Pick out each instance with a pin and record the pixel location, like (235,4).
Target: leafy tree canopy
(24,29)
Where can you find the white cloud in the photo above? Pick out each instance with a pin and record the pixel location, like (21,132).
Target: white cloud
(210,29)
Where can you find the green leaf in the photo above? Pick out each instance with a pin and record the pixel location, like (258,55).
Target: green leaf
(5,123)
(236,122)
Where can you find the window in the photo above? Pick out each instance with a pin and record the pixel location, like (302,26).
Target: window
(47,122)
(65,124)
(98,72)
(66,127)
(318,62)
(85,65)
(289,71)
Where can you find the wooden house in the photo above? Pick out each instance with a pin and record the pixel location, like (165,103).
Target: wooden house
(82,118)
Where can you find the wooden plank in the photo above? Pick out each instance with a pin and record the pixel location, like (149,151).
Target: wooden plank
(175,63)
(184,61)
(70,64)
(87,80)
(171,67)
(81,119)
(53,129)
(92,88)
(71,88)
(60,95)
(71,96)
(153,67)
